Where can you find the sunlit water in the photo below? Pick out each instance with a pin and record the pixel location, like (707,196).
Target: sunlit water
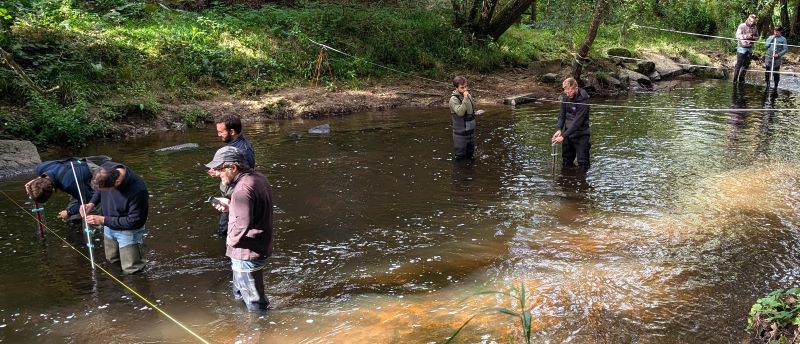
(685,218)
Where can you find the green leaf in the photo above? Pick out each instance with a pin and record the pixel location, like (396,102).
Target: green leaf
(522,296)
(460,328)
(504,311)
(526,325)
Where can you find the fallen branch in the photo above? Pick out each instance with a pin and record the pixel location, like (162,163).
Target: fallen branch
(8,59)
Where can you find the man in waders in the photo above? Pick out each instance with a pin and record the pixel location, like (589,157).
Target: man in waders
(124,202)
(229,130)
(776,48)
(746,33)
(573,125)
(462,111)
(250,235)
(56,175)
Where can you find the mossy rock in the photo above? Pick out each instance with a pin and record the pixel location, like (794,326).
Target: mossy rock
(620,52)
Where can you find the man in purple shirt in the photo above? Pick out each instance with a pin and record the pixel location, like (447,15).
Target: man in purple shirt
(250,235)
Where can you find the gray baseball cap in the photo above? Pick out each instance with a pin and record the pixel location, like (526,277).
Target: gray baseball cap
(227,154)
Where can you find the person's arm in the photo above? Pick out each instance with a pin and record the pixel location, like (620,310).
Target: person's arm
(783,48)
(240,211)
(740,35)
(562,112)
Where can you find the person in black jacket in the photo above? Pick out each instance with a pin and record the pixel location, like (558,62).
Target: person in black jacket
(124,201)
(573,125)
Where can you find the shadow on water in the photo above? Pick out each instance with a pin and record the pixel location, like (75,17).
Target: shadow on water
(684,219)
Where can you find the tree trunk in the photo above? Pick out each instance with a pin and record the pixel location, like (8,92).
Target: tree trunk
(597,18)
(784,14)
(795,29)
(533,13)
(765,19)
(505,18)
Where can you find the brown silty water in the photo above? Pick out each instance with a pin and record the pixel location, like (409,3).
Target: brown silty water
(685,218)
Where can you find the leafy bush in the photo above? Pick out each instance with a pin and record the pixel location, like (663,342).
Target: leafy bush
(49,122)
(776,317)
(194,116)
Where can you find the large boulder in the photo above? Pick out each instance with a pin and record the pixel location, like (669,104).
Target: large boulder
(665,67)
(17,157)
(544,67)
(635,79)
(620,52)
(549,78)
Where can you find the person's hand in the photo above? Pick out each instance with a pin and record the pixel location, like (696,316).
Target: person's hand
(28,187)
(86,209)
(220,203)
(557,137)
(63,215)
(466,93)
(95,219)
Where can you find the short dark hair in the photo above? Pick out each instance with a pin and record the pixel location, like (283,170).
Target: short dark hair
(41,189)
(458,81)
(778,28)
(231,122)
(104,177)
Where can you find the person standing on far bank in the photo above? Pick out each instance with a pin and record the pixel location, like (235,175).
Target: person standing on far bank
(776,48)
(462,113)
(573,125)
(746,34)
(229,130)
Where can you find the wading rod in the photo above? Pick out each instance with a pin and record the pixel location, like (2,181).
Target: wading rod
(89,245)
(38,210)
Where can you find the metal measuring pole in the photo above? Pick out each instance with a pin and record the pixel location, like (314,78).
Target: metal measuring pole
(89,245)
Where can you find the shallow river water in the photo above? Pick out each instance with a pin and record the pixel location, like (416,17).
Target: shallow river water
(685,218)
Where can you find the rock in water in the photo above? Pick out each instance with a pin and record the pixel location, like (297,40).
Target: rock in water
(17,157)
(178,148)
(320,129)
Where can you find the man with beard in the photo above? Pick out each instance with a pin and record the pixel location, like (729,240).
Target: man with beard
(249,236)
(229,129)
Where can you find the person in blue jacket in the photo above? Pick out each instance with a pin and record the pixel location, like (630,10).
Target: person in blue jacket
(776,48)
(57,175)
(124,202)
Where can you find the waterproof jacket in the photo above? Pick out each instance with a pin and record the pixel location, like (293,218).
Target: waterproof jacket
(60,173)
(779,46)
(745,35)
(573,116)
(124,207)
(241,143)
(250,217)
(462,113)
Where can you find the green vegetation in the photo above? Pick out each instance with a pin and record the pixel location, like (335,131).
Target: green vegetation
(517,296)
(127,57)
(776,317)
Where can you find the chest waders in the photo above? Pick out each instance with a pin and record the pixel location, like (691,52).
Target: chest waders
(463,135)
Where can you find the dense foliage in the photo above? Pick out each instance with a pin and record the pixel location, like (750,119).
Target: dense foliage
(118,56)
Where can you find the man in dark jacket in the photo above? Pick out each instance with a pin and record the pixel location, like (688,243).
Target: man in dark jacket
(573,125)
(229,130)
(250,236)
(124,202)
(56,175)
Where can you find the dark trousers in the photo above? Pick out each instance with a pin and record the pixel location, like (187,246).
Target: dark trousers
(776,77)
(222,226)
(576,147)
(742,63)
(464,144)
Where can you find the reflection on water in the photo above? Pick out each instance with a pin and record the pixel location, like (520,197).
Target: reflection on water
(683,221)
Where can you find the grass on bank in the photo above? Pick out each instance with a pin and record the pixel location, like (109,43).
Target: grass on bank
(123,63)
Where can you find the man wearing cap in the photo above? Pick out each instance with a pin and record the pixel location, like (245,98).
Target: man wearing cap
(124,202)
(229,130)
(746,34)
(250,236)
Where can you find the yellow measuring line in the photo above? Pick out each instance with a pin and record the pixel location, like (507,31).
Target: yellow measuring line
(110,274)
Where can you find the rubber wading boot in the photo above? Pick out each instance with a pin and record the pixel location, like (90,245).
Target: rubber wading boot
(131,259)
(249,286)
(112,250)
